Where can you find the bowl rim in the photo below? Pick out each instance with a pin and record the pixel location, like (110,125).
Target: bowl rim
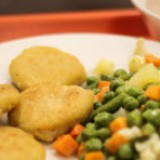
(144,10)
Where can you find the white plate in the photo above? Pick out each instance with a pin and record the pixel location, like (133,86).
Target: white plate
(89,48)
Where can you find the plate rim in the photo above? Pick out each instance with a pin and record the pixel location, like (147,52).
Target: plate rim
(19,40)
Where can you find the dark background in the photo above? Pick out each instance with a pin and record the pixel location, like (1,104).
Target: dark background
(41,6)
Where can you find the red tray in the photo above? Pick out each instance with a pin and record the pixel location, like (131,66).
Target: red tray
(126,22)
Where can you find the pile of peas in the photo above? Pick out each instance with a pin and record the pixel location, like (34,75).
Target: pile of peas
(140,111)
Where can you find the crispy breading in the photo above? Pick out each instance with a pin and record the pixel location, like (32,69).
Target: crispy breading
(43,64)
(9,97)
(48,110)
(19,145)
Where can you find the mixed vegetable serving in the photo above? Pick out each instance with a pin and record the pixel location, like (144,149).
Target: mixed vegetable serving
(125,122)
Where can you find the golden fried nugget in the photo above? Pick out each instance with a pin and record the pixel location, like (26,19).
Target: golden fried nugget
(47,110)
(9,97)
(44,64)
(15,144)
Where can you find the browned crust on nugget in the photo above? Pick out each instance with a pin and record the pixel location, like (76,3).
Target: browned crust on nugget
(43,64)
(9,97)
(19,145)
(48,110)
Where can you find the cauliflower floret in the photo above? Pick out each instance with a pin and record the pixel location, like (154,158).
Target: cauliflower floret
(120,113)
(131,133)
(138,58)
(140,47)
(150,149)
(147,154)
(104,66)
(136,62)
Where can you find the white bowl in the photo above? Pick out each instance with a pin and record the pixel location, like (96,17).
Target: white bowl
(152,18)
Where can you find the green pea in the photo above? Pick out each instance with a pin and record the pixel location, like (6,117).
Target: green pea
(135,92)
(130,103)
(91,80)
(95,90)
(142,99)
(91,125)
(125,152)
(122,88)
(116,83)
(152,116)
(121,73)
(111,158)
(148,129)
(93,144)
(79,139)
(106,77)
(108,96)
(89,133)
(151,104)
(92,86)
(96,105)
(103,133)
(102,119)
(134,118)
(147,115)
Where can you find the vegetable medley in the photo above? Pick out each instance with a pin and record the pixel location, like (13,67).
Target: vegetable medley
(125,122)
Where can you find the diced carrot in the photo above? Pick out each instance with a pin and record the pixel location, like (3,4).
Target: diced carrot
(118,124)
(101,93)
(115,142)
(153,92)
(103,84)
(80,149)
(150,58)
(77,130)
(97,155)
(65,145)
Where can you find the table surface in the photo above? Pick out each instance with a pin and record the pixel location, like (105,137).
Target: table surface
(37,6)
(125,22)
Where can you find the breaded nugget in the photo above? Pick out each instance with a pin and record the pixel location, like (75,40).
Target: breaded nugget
(9,97)
(44,64)
(47,110)
(15,144)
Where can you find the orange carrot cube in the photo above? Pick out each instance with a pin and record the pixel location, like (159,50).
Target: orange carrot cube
(65,145)
(97,155)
